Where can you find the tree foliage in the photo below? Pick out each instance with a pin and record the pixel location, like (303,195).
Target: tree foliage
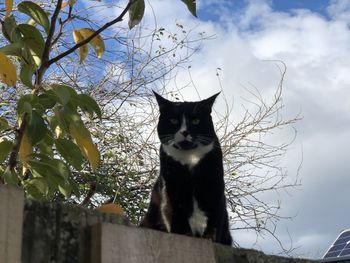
(47,140)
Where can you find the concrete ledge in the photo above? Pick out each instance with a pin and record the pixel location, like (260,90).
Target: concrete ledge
(60,233)
(120,244)
(57,233)
(11,219)
(226,254)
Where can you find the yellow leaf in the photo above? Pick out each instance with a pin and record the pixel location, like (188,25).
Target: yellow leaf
(83,49)
(97,42)
(7,70)
(64,4)
(25,150)
(72,2)
(58,131)
(37,59)
(9,5)
(110,208)
(83,139)
(69,2)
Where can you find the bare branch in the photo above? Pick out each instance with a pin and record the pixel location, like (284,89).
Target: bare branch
(97,32)
(45,57)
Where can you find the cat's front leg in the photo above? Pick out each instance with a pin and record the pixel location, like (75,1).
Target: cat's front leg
(153,218)
(180,224)
(210,233)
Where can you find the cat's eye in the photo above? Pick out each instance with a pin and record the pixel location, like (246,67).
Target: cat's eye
(196,121)
(174,121)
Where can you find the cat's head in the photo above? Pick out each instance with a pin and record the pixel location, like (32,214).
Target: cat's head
(186,125)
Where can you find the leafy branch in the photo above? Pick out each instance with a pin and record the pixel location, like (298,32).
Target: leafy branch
(52,137)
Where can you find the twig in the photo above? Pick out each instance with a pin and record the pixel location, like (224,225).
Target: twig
(15,148)
(91,192)
(45,57)
(87,40)
(62,23)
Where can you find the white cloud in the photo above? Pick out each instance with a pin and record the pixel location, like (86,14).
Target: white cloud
(339,9)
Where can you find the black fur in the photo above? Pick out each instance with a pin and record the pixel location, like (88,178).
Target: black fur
(178,184)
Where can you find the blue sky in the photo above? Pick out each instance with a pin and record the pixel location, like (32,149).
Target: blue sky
(318,6)
(209,12)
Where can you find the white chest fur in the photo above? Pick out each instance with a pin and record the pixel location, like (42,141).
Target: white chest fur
(198,220)
(188,157)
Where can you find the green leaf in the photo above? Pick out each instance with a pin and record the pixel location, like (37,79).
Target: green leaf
(33,39)
(14,49)
(10,177)
(70,152)
(47,100)
(89,105)
(31,22)
(65,189)
(42,168)
(54,171)
(8,26)
(191,5)
(75,187)
(3,124)
(26,104)
(54,121)
(5,148)
(36,13)
(34,103)
(45,146)
(59,120)
(67,116)
(136,13)
(60,179)
(64,93)
(60,168)
(26,75)
(41,187)
(36,129)
(24,107)
(32,192)
(16,35)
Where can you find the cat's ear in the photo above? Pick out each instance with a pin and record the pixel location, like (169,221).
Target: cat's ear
(162,102)
(209,102)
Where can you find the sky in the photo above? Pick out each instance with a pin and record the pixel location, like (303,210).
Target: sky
(312,38)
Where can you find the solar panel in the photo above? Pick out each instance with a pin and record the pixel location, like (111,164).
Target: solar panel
(339,251)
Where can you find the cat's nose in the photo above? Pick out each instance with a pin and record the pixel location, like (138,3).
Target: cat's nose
(184,133)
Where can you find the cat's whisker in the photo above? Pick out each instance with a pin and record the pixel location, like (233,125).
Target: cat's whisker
(165,136)
(204,139)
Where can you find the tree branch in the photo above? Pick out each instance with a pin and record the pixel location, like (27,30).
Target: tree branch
(97,32)
(45,57)
(89,194)
(62,23)
(15,148)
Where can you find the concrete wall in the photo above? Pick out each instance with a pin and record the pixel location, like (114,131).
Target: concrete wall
(61,233)
(11,218)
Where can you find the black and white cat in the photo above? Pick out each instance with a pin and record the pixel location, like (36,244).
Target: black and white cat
(188,196)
